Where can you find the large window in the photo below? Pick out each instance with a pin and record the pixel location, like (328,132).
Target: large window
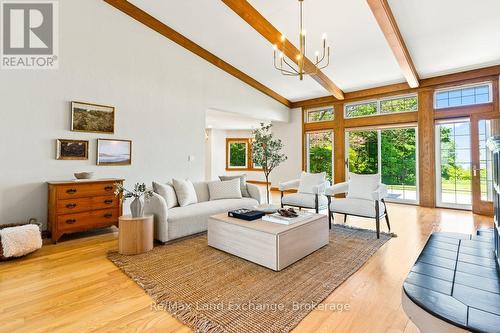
(392,153)
(462,96)
(485,160)
(319,150)
(319,114)
(382,106)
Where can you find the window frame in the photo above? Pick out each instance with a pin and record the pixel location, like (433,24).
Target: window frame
(379,101)
(315,109)
(461,87)
(249,161)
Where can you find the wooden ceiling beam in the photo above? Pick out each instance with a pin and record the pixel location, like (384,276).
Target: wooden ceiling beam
(385,19)
(250,15)
(158,26)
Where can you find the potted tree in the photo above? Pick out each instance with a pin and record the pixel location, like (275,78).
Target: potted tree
(267,154)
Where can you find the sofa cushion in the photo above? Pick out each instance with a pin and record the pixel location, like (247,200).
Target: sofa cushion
(167,192)
(309,180)
(304,200)
(229,189)
(184,221)
(360,207)
(243,183)
(186,195)
(201,189)
(362,186)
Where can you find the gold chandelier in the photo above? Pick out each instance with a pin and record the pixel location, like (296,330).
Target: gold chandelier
(287,68)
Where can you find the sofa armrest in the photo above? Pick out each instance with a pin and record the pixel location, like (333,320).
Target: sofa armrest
(321,188)
(157,206)
(254,192)
(380,193)
(292,184)
(337,189)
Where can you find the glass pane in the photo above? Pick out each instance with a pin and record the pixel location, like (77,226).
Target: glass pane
(358,110)
(455,164)
(485,165)
(320,115)
(363,152)
(320,153)
(463,96)
(399,163)
(404,104)
(238,155)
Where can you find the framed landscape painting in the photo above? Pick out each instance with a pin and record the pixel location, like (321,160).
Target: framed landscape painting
(114,152)
(72,149)
(94,118)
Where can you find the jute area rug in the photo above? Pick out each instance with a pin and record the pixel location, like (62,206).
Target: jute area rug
(212,291)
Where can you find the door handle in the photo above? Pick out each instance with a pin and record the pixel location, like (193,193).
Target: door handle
(475,170)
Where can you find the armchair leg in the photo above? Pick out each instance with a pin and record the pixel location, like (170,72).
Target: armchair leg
(329,213)
(377,218)
(281,199)
(387,217)
(345,218)
(316,204)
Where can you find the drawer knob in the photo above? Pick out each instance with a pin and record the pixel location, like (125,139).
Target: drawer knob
(71,191)
(108,216)
(71,205)
(71,221)
(108,202)
(108,188)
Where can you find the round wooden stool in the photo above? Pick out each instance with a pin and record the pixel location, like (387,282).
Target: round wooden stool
(135,234)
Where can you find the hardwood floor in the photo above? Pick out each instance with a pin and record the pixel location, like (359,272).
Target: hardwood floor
(72,287)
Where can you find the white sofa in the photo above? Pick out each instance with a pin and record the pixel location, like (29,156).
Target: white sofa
(179,222)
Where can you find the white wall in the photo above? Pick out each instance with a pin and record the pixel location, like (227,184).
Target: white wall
(160,90)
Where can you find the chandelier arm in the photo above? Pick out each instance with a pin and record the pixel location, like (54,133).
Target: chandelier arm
(290,66)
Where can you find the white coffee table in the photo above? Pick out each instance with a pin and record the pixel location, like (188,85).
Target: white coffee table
(271,245)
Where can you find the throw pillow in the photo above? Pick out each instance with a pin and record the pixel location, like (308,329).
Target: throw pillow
(309,180)
(229,189)
(167,192)
(243,183)
(362,186)
(185,192)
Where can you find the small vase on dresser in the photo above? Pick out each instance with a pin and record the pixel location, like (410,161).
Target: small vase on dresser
(81,205)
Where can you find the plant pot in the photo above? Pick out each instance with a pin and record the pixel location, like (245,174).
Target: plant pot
(137,207)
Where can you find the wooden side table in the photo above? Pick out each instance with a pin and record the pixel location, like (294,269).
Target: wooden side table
(135,234)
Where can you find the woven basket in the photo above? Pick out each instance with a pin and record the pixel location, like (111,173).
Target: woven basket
(3,226)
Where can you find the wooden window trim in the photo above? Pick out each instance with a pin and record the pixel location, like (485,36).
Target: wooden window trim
(248,142)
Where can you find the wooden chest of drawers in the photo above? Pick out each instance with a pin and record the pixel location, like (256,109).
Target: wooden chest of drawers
(81,205)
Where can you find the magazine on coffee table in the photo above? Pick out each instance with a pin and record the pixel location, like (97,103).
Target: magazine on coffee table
(277,218)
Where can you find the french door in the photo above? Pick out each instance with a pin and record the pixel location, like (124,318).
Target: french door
(463,163)
(482,166)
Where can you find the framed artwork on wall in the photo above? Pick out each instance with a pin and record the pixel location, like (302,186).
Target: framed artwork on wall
(114,152)
(72,149)
(93,118)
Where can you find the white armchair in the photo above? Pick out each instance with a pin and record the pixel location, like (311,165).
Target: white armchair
(310,192)
(365,198)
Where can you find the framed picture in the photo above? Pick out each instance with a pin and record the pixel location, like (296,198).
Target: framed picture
(86,117)
(114,152)
(72,149)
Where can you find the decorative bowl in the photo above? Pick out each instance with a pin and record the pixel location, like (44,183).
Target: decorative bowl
(84,175)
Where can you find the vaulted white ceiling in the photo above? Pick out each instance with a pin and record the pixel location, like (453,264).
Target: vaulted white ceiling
(442,36)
